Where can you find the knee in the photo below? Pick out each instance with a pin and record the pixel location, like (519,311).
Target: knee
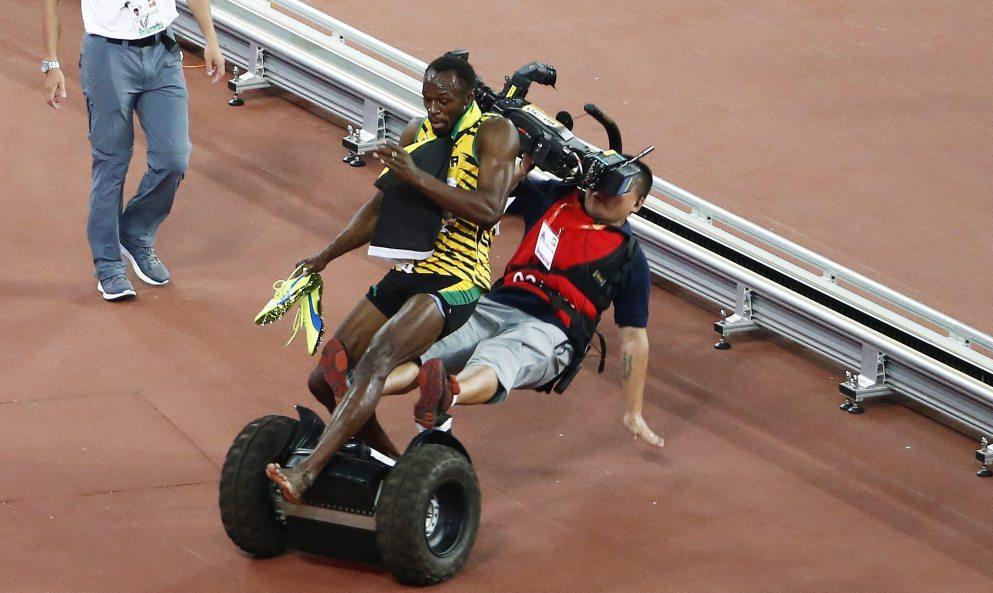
(169,164)
(380,355)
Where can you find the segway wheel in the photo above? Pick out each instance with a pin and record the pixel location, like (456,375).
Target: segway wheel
(428,515)
(246,503)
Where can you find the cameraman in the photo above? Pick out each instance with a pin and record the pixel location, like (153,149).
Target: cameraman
(576,258)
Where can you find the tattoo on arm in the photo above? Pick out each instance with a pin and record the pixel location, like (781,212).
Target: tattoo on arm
(628,362)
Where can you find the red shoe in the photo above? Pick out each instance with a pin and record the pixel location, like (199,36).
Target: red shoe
(334,367)
(437,389)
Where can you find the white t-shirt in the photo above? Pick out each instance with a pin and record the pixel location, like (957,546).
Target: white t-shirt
(117,19)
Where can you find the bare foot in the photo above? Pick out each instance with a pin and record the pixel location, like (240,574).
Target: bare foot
(293,481)
(637,425)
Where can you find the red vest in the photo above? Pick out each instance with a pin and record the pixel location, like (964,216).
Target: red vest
(588,260)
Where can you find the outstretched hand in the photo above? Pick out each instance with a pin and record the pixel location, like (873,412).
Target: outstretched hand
(637,425)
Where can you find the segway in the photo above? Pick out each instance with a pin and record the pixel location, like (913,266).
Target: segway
(416,516)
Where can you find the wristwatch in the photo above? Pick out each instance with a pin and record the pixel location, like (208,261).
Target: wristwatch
(47,65)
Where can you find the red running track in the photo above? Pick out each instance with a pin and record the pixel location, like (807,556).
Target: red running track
(861,132)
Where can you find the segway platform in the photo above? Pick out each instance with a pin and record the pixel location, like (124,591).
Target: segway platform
(417,516)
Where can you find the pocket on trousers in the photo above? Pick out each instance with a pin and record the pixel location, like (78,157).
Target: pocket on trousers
(111,134)
(89,116)
(172,46)
(563,356)
(88,52)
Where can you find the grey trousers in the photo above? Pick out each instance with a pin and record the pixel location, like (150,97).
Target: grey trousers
(118,82)
(522,350)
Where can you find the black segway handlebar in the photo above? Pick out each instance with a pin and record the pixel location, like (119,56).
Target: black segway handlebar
(609,125)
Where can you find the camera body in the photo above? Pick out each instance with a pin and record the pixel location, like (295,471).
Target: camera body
(552,146)
(550,141)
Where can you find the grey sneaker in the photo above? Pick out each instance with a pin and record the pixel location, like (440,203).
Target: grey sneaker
(116,288)
(147,265)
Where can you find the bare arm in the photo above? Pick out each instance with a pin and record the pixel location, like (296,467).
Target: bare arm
(359,230)
(51,28)
(497,144)
(356,233)
(55,81)
(212,56)
(634,360)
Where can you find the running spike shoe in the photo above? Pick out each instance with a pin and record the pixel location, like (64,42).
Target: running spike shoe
(437,389)
(309,318)
(288,292)
(334,367)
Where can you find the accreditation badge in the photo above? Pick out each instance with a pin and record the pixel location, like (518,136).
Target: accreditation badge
(147,16)
(546,245)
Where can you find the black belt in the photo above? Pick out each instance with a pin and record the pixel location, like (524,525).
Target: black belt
(144,41)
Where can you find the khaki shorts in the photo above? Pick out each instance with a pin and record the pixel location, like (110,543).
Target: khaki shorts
(525,352)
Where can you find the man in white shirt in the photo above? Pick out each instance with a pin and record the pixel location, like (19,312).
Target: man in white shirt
(130,63)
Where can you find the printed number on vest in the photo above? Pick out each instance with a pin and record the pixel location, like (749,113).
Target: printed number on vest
(520,277)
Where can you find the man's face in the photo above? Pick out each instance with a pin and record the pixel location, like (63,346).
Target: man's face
(612,210)
(444,99)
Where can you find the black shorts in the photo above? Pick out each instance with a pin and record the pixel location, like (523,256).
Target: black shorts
(456,297)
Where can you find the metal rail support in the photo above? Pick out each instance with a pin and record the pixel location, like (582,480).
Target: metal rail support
(253,79)
(984,455)
(362,140)
(740,321)
(867,384)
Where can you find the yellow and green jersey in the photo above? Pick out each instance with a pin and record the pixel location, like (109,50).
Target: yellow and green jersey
(462,248)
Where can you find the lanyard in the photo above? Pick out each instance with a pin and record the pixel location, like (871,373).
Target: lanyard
(591,227)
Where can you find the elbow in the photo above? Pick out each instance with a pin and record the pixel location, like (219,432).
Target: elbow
(490,221)
(486,218)
(493,212)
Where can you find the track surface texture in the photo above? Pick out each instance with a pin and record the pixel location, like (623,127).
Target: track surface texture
(863,132)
